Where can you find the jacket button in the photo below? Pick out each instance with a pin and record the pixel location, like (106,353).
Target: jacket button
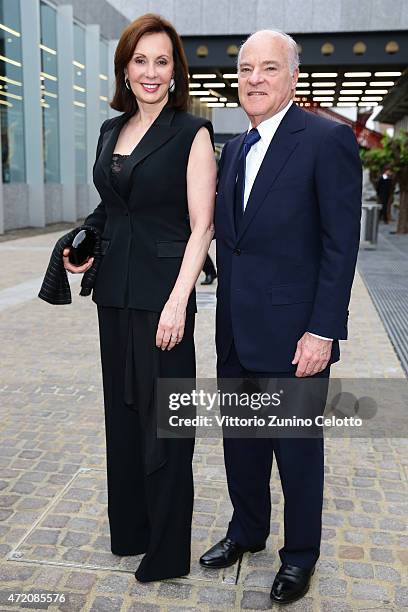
(237,251)
(126,214)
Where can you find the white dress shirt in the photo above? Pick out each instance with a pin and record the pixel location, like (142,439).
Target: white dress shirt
(256,155)
(257,152)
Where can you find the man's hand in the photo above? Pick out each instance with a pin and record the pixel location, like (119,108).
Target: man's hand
(312,355)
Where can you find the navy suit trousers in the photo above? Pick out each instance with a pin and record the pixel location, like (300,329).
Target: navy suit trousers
(248,463)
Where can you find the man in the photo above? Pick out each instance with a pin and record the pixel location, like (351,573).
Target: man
(384,193)
(209,271)
(288,226)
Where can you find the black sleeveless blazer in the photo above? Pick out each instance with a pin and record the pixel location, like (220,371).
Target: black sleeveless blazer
(145,229)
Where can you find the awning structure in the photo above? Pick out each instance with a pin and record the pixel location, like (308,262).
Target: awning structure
(360,69)
(395,105)
(365,137)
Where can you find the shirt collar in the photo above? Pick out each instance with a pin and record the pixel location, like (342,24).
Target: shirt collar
(268,127)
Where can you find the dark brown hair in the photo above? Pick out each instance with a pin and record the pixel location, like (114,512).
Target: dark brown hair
(124,99)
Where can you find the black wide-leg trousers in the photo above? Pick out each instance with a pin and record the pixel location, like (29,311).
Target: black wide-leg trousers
(148,513)
(248,464)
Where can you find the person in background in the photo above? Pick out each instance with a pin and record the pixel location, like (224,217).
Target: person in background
(384,193)
(209,271)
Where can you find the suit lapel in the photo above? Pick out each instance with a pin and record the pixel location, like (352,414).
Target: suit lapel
(110,138)
(160,132)
(276,157)
(230,180)
(156,136)
(103,165)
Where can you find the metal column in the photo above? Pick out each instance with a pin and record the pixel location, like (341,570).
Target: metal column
(92,60)
(111,73)
(33,136)
(65,39)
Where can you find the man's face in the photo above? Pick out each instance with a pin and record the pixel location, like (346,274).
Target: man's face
(265,84)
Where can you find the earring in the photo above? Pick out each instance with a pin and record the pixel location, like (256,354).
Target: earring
(127,84)
(172,86)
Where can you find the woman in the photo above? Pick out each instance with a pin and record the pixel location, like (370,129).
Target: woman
(155,172)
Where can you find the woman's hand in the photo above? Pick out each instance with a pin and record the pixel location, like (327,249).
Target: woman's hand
(75,269)
(170,330)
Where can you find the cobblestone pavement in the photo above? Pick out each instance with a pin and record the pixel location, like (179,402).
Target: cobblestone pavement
(53,527)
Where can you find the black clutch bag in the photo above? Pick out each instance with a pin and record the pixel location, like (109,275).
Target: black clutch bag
(82,247)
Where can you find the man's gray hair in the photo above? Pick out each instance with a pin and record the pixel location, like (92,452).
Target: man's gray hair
(293,53)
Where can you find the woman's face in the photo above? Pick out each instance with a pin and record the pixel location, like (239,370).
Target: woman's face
(151,68)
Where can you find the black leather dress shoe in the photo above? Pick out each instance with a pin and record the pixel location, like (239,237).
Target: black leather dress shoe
(209,279)
(225,553)
(291,583)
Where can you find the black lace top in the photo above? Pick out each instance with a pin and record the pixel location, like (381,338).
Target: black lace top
(116,167)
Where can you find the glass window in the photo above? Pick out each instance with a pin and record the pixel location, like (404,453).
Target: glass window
(80,102)
(49,93)
(103,81)
(11,93)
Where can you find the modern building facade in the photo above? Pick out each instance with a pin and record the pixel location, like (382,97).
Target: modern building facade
(56,79)
(55,70)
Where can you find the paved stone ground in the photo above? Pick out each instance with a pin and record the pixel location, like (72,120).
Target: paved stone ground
(53,527)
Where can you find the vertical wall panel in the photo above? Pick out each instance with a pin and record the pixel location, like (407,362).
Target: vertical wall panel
(30,38)
(65,40)
(92,105)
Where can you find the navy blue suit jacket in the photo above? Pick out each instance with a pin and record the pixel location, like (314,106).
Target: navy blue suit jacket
(290,267)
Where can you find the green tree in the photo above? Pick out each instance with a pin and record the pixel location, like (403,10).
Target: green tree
(394,154)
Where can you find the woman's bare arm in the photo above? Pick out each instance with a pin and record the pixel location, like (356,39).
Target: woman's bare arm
(201,182)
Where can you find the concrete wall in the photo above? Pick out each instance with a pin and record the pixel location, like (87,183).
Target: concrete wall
(229,120)
(53,202)
(111,21)
(82,201)
(295,16)
(15,202)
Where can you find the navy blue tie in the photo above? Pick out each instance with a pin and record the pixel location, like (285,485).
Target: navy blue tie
(250,139)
